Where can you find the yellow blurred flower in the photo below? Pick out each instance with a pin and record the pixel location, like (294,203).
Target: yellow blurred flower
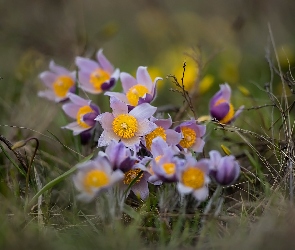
(206,83)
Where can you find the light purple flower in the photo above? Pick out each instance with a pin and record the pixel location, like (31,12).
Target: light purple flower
(59,82)
(119,156)
(124,126)
(220,106)
(193,178)
(96,76)
(164,167)
(136,91)
(95,176)
(163,130)
(136,180)
(225,170)
(83,111)
(191,134)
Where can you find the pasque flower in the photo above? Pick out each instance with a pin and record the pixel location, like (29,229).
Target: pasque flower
(83,111)
(59,82)
(193,178)
(119,156)
(95,176)
(221,107)
(96,76)
(191,134)
(224,170)
(163,130)
(124,126)
(136,90)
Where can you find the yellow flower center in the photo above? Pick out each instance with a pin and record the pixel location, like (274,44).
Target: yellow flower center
(81,112)
(230,113)
(169,168)
(131,175)
(95,179)
(125,126)
(135,92)
(193,177)
(98,77)
(62,85)
(189,137)
(159,131)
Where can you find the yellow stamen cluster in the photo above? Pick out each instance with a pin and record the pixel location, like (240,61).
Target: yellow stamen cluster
(125,126)
(62,85)
(193,177)
(159,131)
(95,179)
(98,77)
(135,92)
(230,114)
(131,175)
(169,168)
(189,137)
(79,117)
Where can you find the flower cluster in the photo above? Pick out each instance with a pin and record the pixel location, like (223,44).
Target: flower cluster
(137,146)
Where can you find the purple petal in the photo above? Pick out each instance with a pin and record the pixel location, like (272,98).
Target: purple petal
(71,109)
(141,188)
(215,157)
(48,94)
(86,65)
(145,127)
(143,78)
(147,98)
(143,111)
(106,120)
(74,126)
(201,194)
(226,91)
(104,62)
(198,145)
(95,108)
(89,119)
(131,142)
(158,146)
(108,85)
(48,78)
(118,106)
(78,100)
(220,111)
(128,81)
(59,70)
(119,96)
(172,137)
(164,123)
(183,189)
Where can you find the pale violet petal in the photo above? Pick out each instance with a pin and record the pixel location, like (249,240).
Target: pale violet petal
(128,81)
(131,142)
(71,109)
(59,70)
(201,194)
(104,62)
(143,111)
(118,106)
(143,78)
(172,137)
(74,126)
(119,96)
(78,100)
(145,127)
(48,78)
(183,189)
(106,120)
